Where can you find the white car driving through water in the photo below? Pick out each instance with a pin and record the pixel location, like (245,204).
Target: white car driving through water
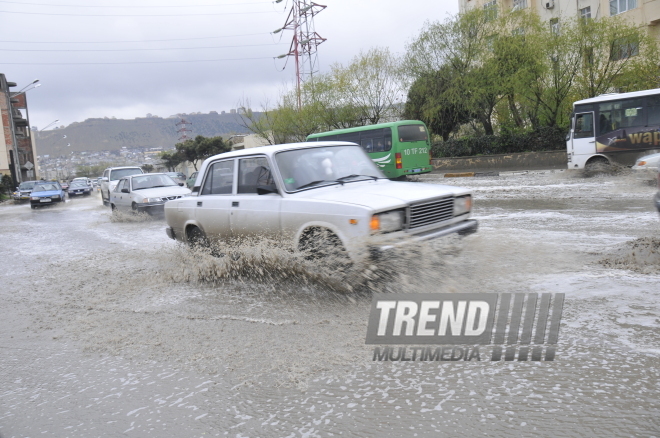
(145,193)
(316,196)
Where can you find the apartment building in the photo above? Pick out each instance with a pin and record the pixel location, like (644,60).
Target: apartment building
(17,152)
(642,12)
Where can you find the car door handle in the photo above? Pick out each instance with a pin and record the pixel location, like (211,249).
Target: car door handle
(234,204)
(199,203)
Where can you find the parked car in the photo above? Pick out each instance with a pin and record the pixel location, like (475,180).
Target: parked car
(111,177)
(46,193)
(179,177)
(23,191)
(190,182)
(647,162)
(79,187)
(146,193)
(317,195)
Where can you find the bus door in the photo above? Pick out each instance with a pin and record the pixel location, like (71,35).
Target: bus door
(583,141)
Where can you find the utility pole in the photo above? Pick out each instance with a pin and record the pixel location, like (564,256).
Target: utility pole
(305,40)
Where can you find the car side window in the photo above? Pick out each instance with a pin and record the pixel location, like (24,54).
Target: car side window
(252,173)
(120,186)
(219,178)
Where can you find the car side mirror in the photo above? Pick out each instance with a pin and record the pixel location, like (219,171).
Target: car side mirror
(181,184)
(264,190)
(104,178)
(125,191)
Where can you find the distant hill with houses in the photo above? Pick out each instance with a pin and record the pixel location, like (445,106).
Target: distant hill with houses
(106,134)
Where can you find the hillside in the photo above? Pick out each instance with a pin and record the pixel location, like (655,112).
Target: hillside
(153,132)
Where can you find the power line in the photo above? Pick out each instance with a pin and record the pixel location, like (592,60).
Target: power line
(133,7)
(133,15)
(131,41)
(134,50)
(134,62)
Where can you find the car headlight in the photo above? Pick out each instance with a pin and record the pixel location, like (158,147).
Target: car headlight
(387,222)
(55,196)
(462,205)
(34,198)
(152,200)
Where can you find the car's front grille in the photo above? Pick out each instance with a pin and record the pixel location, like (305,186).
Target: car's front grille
(169,198)
(430,212)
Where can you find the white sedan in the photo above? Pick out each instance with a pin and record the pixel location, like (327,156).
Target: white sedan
(145,193)
(650,162)
(320,196)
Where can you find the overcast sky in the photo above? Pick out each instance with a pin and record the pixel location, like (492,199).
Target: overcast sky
(90,56)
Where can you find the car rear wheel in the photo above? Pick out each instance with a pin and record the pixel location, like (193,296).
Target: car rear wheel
(196,238)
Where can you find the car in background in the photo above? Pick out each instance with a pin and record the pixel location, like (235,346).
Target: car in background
(23,191)
(326,198)
(146,193)
(648,162)
(65,185)
(46,193)
(111,177)
(79,187)
(190,182)
(179,177)
(86,180)
(657,195)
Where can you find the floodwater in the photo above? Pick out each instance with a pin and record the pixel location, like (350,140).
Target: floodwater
(108,328)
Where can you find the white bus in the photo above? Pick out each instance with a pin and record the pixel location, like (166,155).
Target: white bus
(614,129)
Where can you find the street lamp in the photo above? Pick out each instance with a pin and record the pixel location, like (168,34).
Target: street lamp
(49,125)
(31,83)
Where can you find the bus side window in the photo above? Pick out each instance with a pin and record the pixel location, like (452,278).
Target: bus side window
(367,143)
(584,127)
(387,139)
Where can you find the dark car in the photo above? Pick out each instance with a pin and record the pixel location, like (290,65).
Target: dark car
(46,193)
(65,185)
(79,187)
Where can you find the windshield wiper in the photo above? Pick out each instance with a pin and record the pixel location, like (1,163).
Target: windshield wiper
(313,183)
(355,175)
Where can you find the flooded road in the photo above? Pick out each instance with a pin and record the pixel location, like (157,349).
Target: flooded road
(108,328)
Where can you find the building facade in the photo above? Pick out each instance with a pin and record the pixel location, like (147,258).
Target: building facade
(17,152)
(640,12)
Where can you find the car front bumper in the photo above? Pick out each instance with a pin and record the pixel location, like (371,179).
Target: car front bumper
(151,208)
(461,228)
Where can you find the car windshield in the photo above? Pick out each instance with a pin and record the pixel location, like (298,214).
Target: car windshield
(26,185)
(150,181)
(78,183)
(302,168)
(118,174)
(45,187)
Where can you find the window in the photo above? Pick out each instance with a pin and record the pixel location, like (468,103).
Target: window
(376,140)
(623,48)
(253,173)
(554,26)
(219,178)
(491,10)
(654,110)
(519,4)
(585,13)
(619,6)
(412,133)
(584,125)
(623,114)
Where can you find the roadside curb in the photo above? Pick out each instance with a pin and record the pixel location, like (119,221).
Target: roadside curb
(497,173)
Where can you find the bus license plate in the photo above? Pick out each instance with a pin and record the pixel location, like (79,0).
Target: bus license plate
(415,170)
(45,200)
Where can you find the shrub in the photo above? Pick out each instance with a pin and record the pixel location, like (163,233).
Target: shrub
(541,139)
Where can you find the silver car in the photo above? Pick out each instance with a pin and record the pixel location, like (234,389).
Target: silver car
(145,193)
(315,195)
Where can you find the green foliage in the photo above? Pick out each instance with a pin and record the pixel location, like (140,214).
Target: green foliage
(194,151)
(6,185)
(541,139)
(148,168)
(513,73)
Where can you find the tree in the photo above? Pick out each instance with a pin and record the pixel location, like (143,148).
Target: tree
(148,168)
(170,159)
(428,102)
(200,148)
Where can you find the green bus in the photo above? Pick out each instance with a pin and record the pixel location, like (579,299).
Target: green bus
(398,148)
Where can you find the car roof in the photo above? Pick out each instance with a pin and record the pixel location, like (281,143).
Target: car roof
(272,149)
(123,167)
(143,174)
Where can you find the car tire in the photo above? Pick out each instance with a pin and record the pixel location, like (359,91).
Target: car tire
(196,238)
(33,207)
(112,207)
(323,245)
